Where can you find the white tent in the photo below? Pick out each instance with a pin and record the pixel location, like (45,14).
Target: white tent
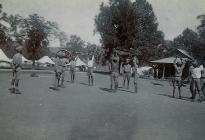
(79,62)
(24,60)
(3,57)
(141,70)
(45,59)
(5,24)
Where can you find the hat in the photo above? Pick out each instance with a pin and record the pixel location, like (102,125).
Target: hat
(19,48)
(195,63)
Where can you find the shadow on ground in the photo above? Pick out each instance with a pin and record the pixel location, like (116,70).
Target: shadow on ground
(170,96)
(157,84)
(106,89)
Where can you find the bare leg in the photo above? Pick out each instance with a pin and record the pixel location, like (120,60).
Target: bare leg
(174,87)
(116,83)
(179,89)
(111,81)
(92,80)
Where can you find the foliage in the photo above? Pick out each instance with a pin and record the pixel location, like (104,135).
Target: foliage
(76,44)
(123,24)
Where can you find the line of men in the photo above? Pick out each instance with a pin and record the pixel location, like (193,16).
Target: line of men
(126,68)
(196,78)
(196,72)
(60,68)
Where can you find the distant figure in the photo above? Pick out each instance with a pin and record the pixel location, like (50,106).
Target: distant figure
(127,71)
(16,66)
(114,69)
(191,80)
(203,79)
(63,69)
(135,67)
(72,69)
(196,75)
(179,65)
(57,70)
(90,70)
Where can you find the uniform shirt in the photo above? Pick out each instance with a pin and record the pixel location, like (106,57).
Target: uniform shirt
(17,59)
(127,68)
(197,72)
(58,65)
(63,64)
(115,67)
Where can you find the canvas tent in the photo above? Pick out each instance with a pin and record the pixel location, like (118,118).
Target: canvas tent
(24,60)
(45,60)
(3,57)
(4,60)
(79,62)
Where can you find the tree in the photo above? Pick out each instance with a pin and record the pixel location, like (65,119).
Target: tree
(188,41)
(35,30)
(201,31)
(76,44)
(123,24)
(3,29)
(63,39)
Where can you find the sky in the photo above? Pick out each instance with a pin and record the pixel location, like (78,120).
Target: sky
(77,16)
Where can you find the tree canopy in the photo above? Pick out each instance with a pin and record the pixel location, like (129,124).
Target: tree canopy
(123,24)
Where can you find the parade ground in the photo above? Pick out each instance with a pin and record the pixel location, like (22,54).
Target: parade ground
(82,112)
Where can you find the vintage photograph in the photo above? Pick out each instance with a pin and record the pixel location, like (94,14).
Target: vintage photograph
(102,70)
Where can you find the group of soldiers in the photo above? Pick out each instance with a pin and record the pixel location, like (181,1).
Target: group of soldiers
(196,78)
(61,61)
(126,68)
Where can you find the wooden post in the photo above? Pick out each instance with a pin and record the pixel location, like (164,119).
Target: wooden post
(163,71)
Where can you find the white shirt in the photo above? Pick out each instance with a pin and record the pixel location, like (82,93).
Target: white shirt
(196,72)
(90,63)
(17,59)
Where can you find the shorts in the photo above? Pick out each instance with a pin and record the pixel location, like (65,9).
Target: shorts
(127,74)
(90,71)
(115,74)
(17,73)
(177,81)
(72,71)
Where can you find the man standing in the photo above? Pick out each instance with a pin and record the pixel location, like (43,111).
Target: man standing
(196,75)
(135,67)
(203,79)
(72,69)
(192,86)
(127,69)
(114,71)
(179,65)
(16,65)
(90,70)
(63,69)
(57,73)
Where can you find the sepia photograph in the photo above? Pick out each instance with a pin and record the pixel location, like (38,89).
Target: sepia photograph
(102,70)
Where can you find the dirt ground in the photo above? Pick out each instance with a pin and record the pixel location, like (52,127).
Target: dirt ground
(80,112)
